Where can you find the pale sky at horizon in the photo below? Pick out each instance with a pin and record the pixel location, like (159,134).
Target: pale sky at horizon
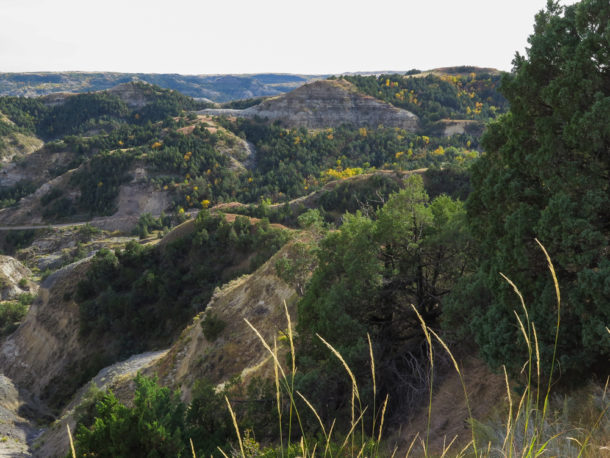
(280,36)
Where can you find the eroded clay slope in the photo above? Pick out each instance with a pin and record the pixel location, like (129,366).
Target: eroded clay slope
(259,298)
(42,355)
(327,103)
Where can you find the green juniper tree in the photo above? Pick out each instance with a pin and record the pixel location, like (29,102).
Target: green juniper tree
(546,175)
(369,274)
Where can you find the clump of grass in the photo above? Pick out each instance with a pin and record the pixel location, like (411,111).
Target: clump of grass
(353,443)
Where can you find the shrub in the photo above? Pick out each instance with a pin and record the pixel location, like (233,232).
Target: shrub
(212,326)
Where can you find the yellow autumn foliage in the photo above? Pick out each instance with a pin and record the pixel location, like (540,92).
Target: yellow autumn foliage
(342,174)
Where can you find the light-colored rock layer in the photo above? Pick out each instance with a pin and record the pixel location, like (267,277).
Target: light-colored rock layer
(327,103)
(14,278)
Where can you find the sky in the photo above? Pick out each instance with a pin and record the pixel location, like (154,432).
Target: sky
(259,36)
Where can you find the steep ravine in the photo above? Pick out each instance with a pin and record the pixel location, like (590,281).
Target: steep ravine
(258,297)
(46,345)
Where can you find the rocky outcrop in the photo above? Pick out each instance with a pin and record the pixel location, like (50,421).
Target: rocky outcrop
(16,431)
(17,144)
(132,94)
(449,127)
(14,279)
(327,103)
(134,199)
(47,345)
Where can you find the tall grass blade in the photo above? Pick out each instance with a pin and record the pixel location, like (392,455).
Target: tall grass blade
(72,449)
(424,447)
(351,432)
(330,433)
(290,339)
(385,404)
(558,294)
(394,451)
(459,372)
(538,363)
(528,341)
(355,393)
(446,449)
(192,448)
(241,445)
(464,449)
(338,355)
(284,378)
(278,397)
(411,445)
(525,336)
(361,450)
(542,448)
(315,414)
(431,356)
(267,347)
(374,381)
(511,283)
(552,269)
(510,414)
(293,367)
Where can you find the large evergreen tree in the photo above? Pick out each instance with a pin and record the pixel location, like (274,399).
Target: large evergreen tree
(370,273)
(545,175)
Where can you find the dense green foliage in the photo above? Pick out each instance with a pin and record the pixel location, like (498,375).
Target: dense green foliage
(147,223)
(142,296)
(156,425)
(81,113)
(151,428)
(100,179)
(8,133)
(11,195)
(12,312)
(367,194)
(432,97)
(453,181)
(189,165)
(290,163)
(109,138)
(11,241)
(93,112)
(159,424)
(24,112)
(370,272)
(546,175)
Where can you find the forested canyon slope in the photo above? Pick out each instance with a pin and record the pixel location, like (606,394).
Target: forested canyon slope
(172,266)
